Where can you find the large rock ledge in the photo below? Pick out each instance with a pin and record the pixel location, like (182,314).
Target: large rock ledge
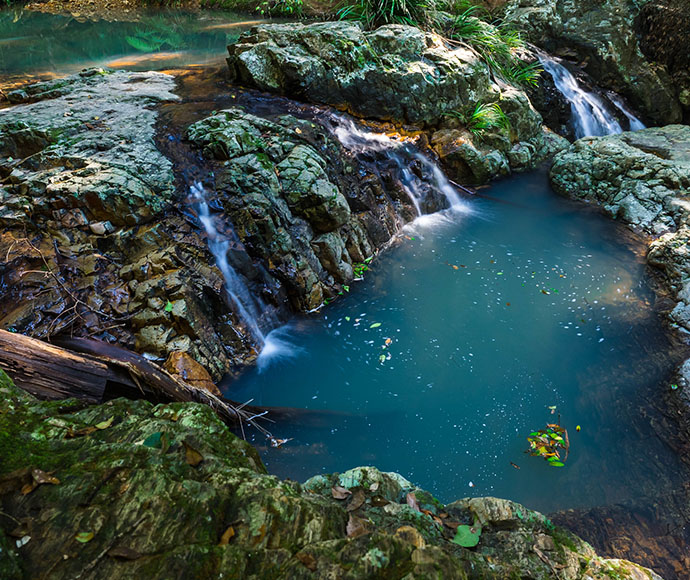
(602,35)
(642,178)
(401,74)
(131,490)
(96,240)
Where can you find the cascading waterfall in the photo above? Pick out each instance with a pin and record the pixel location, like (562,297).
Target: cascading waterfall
(590,114)
(635,123)
(357,139)
(249,308)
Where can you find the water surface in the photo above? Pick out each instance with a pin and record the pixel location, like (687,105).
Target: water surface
(36,46)
(460,341)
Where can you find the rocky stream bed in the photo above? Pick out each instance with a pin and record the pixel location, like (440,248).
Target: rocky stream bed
(101,238)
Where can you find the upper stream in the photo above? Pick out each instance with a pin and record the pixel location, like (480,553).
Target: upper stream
(40,46)
(464,338)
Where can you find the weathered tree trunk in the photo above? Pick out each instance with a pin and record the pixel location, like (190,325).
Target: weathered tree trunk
(101,372)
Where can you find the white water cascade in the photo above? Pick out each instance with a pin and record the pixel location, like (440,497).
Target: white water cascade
(590,114)
(635,123)
(249,308)
(357,139)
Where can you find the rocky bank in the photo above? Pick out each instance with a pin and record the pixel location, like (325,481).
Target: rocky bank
(604,38)
(128,489)
(400,74)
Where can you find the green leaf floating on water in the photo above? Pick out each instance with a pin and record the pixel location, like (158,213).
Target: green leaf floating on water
(375,325)
(468,536)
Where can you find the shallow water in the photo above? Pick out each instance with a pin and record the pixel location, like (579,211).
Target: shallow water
(38,46)
(489,318)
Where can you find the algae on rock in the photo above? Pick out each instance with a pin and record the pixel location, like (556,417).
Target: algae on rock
(146,510)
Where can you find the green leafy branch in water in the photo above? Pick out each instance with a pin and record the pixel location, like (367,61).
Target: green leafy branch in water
(156,34)
(549,443)
(361,268)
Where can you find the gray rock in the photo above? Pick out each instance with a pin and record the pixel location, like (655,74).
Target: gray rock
(602,35)
(395,73)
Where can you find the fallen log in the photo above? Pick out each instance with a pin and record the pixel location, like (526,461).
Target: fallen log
(101,371)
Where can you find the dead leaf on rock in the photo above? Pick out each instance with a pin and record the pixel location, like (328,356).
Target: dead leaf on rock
(308,560)
(339,492)
(14,480)
(124,553)
(227,536)
(191,455)
(379,501)
(412,501)
(356,527)
(39,477)
(358,499)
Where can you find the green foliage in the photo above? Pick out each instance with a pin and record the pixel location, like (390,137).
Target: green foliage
(458,20)
(280,8)
(375,13)
(549,443)
(361,268)
(497,45)
(482,118)
(468,536)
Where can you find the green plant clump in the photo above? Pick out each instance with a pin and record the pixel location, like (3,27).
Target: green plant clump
(459,21)
(482,118)
(373,13)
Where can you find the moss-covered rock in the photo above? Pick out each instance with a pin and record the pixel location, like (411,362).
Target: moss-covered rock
(602,35)
(131,490)
(401,74)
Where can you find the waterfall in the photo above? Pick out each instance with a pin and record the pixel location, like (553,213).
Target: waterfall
(359,140)
(249,308)
(635,123)
(590,114)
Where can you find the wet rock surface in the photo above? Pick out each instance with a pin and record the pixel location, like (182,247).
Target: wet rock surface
(128,489)
(297,201)
(401,74)
(92,242)
(602,36)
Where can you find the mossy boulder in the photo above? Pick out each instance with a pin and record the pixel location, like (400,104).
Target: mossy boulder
(297,201)
(401,74)
(129,489)
(602,36)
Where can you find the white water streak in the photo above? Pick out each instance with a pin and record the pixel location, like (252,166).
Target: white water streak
(590,116)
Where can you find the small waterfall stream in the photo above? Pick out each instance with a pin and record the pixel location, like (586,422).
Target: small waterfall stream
(591,116)
(359,140)
(635,123)
(249,307)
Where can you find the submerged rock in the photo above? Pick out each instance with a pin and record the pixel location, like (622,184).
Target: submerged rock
(128,489)
(401,74)
(603,37)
